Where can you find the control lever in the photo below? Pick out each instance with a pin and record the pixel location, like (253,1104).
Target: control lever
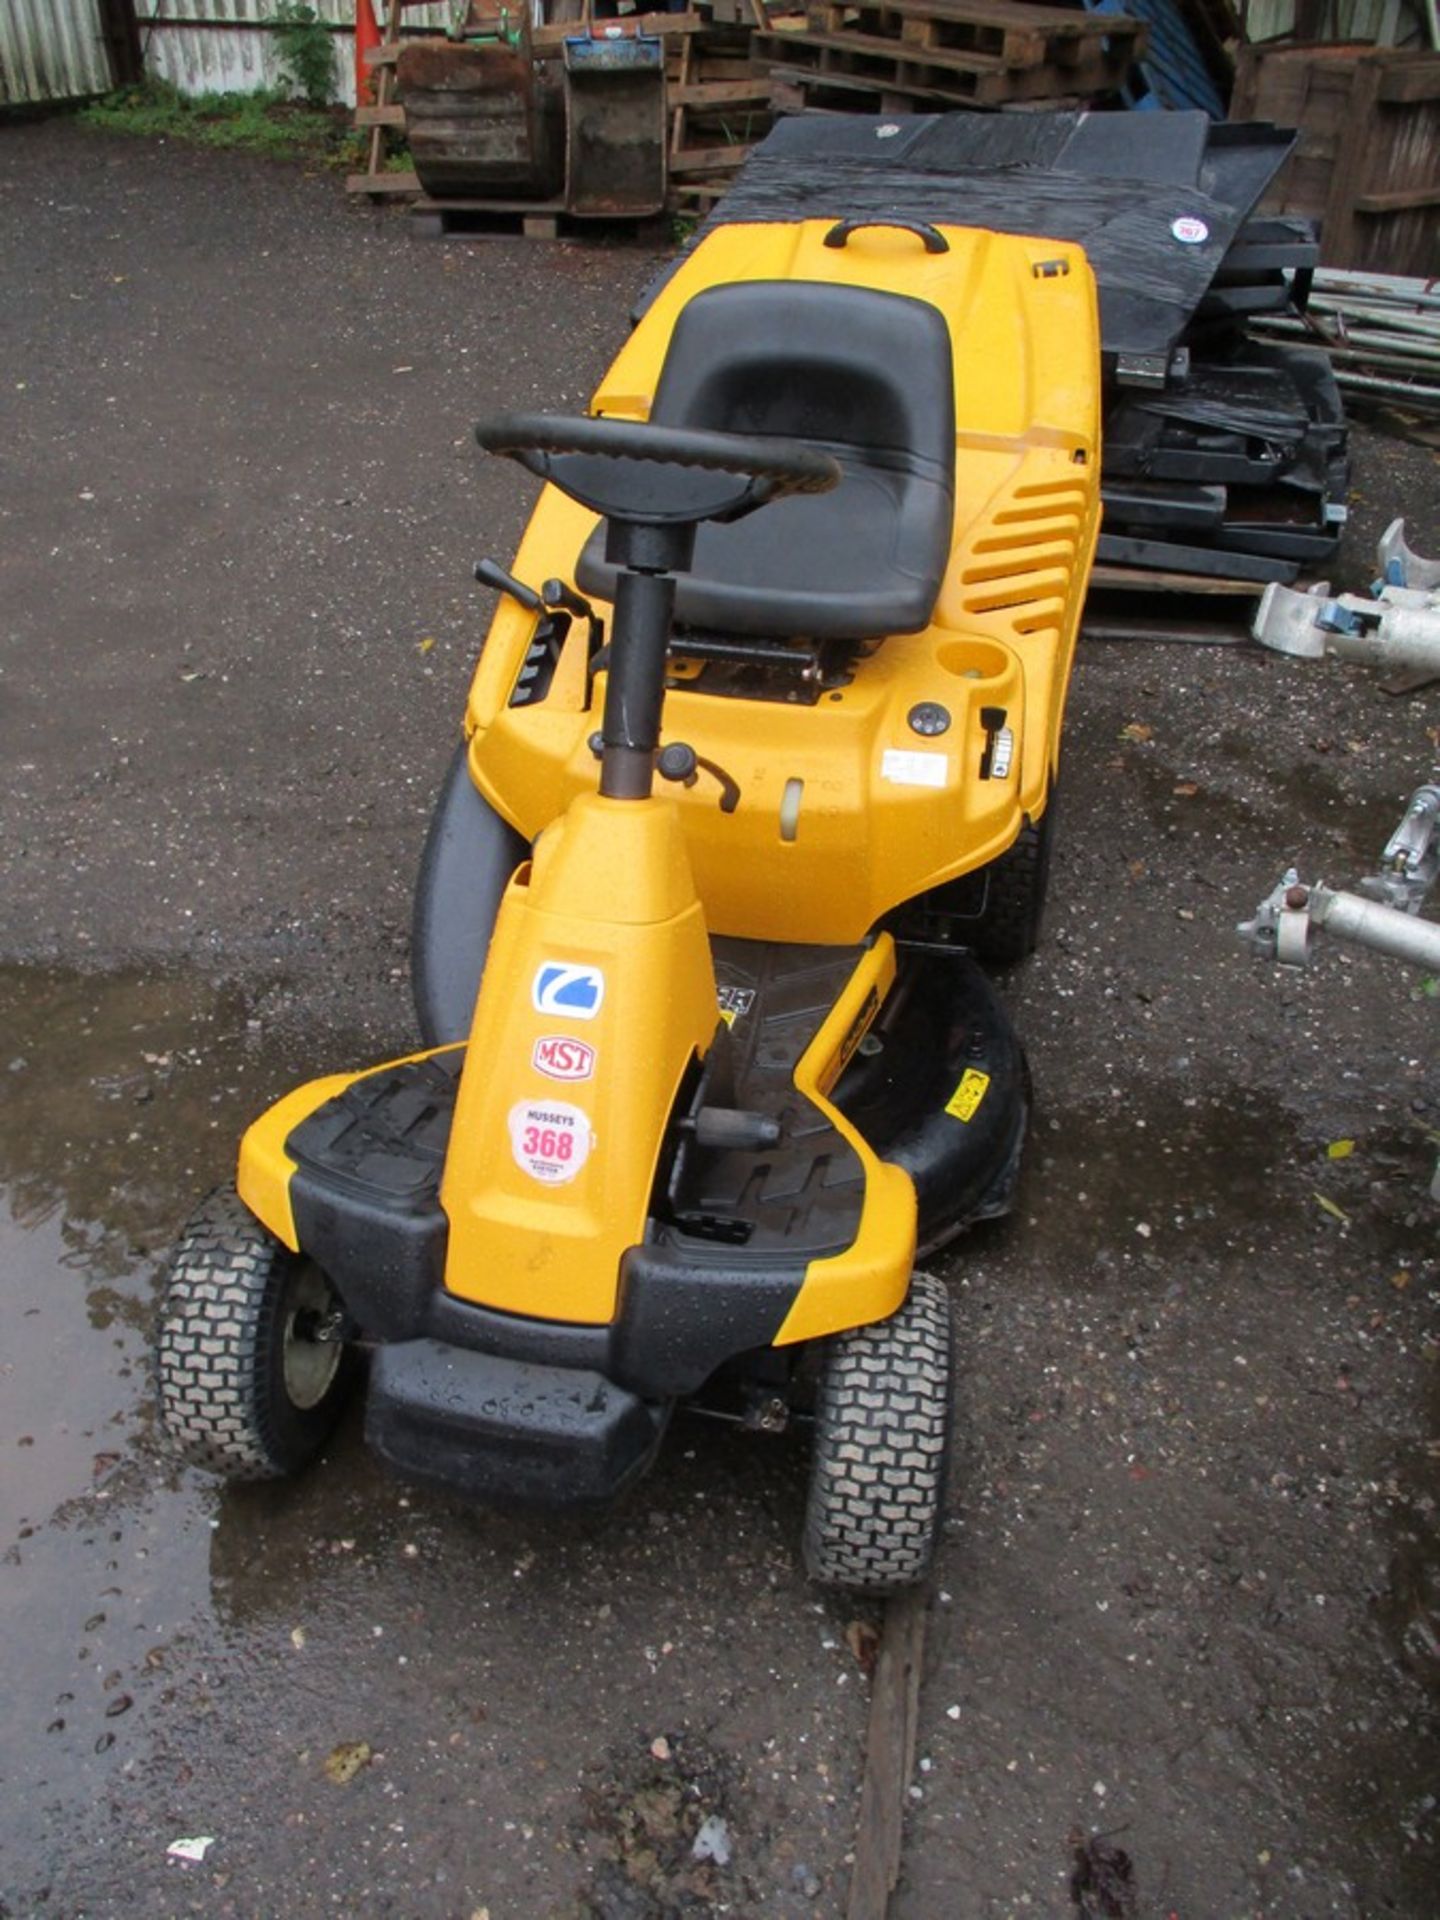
(733,1129)
(555,593)
(491,574)
(999,744)
(681,763)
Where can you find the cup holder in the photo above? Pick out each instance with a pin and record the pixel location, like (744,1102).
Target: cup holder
(975,659)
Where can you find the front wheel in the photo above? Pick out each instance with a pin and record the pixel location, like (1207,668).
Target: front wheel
(883,1423)
(250,1358)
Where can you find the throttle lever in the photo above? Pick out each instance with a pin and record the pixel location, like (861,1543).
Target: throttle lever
(681,763)
(555,593)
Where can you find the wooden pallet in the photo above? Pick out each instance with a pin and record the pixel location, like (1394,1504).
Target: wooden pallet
(1014,31)
(802,90)
(385,114)
(1146,603)
(665,26)
(719,109)
(947,75)
(489,219)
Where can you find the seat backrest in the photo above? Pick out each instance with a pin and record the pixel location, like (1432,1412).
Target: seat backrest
(847,366)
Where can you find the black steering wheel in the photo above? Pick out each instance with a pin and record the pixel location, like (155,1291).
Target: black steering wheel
(665,476)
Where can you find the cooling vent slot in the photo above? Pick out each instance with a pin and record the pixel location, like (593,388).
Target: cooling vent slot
(1025,559)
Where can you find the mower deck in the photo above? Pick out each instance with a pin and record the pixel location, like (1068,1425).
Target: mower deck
(492,1401)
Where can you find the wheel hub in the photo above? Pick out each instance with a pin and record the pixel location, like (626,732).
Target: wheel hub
(310,1351)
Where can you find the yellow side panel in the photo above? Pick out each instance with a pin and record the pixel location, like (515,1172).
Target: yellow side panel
(869,1280)
(262,1177)
(880,814)
(598,993)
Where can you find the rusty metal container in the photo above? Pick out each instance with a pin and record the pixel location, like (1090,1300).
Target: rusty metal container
(484,121)
(614,124)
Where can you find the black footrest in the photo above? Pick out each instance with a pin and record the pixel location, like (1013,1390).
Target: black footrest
(387,1133)
(938,1087)
(801,1197)
(504,1431)
(366,1190)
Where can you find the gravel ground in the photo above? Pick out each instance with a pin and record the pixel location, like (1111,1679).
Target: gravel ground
(1189,1596)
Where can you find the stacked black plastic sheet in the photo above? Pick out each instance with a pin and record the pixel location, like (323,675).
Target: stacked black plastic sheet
(1234,466)
(1223,456)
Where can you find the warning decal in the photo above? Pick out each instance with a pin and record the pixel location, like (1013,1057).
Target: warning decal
(964,1103)
(735,1003)
(550,1140)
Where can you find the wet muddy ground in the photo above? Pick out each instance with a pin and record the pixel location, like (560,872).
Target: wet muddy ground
(1189,1595)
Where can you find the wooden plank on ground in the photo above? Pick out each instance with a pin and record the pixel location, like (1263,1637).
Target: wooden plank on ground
(382,183)
(889,1756)
(1156,580)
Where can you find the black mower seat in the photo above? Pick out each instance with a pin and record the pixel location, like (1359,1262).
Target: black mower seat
(867,377)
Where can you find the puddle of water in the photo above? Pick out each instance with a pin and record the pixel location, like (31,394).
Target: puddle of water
(68,1396)
(124,1097)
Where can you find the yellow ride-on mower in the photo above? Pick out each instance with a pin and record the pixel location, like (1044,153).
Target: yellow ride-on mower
(759,768)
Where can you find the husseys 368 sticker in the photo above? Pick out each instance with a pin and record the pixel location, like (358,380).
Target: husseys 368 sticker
(550,1140)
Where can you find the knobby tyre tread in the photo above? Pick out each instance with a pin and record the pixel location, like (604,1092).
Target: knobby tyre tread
(220,1375)
(883,1426)
(1016,886)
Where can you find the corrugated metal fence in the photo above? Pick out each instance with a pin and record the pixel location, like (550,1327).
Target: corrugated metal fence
(51,50)
(56,49)
(221,46)
(1389,23)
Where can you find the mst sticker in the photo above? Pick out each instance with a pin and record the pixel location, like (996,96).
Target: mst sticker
(560,1058)
(1190,230)
(559,988)
(735,1003)
(964,1103)
(550,1140)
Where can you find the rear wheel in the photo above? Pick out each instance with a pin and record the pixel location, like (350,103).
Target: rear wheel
(1016,885)
(883,1421)
(250,1358)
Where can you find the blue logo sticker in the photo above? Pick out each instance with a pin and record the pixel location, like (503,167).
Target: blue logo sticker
(576,991)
